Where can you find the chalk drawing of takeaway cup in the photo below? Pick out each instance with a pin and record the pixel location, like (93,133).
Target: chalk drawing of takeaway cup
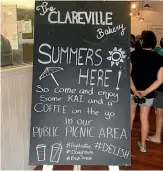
(56,150)
(40,149)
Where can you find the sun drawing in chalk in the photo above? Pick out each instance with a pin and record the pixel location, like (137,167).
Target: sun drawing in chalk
(116,56)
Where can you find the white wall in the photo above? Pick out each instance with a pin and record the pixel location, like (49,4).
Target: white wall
(16,90)
(152,16)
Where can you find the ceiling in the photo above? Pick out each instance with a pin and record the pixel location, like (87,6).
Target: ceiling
(156,6)
(29,4)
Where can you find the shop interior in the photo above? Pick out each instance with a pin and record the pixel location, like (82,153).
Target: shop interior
(17,25)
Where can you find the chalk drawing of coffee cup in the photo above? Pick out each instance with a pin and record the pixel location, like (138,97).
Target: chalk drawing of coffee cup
(56,150)
(40,149)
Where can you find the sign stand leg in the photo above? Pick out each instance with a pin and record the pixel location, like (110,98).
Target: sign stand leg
(77,168)
(47,167)
(113,168)
(50,168)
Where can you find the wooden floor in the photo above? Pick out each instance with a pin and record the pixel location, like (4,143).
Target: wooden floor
(152,160)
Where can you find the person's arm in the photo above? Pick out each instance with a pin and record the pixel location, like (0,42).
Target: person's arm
(132,85)
(155,84)
(161,42)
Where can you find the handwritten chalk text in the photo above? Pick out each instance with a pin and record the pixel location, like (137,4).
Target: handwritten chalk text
(105,32)
(115,133)
(79,131)
(67,55)
(109,148)
(94,77)
(77,146)
(45,131)
(47,108)
(74,17)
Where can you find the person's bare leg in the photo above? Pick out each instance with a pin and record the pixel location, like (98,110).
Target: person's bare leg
(133,111)
(144,114)
(159,125)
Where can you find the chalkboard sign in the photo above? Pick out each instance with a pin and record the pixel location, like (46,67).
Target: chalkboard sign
(81,93)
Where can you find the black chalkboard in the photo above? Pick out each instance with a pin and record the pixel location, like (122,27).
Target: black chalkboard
(81,95)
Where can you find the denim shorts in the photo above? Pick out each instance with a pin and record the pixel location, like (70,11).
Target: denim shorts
(148,103)
(158,101)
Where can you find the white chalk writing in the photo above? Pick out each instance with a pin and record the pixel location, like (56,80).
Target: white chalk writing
(115,133)
(104,32)
(45,131)
(109,148)
(74,17)
(40,107)
(78,56)
(78,146)
(94,77)
(90,111)
(79,131)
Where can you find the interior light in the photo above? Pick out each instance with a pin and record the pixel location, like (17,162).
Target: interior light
(141,19)
(146,6)
(133,6)
(9,13)
(30,5)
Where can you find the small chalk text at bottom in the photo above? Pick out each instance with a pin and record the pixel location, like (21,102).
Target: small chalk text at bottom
(78,158)
(109,148)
